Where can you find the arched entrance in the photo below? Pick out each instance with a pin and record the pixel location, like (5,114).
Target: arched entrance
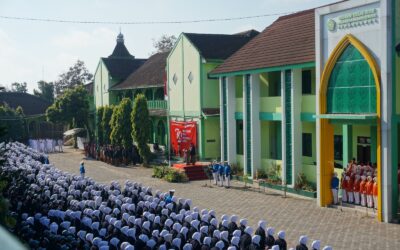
(349,93)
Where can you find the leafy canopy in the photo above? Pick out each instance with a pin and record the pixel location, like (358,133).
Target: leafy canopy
(105,123)
(71,108)
(141,126)
(76,75)
(45,91)
(19,87)
(121,127)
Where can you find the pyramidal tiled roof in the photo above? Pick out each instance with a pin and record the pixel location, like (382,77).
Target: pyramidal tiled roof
(121,63)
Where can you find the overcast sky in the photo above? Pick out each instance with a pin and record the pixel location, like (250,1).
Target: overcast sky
(32,51)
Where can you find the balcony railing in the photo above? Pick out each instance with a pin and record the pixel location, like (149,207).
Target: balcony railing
(157,104)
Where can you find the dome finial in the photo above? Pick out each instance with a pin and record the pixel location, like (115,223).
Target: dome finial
(120,37)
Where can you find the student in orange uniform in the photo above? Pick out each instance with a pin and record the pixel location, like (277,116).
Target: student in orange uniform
(375,193)
(363,191)
(343,187)
(349,189)
(356,190)
(369,187)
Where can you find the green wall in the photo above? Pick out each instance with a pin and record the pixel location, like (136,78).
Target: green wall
(210,87)
(212,138)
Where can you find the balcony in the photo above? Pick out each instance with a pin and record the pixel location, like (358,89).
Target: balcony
(271,104)
(157,104)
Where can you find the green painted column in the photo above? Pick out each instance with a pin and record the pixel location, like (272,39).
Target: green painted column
(373,143)
(347,143)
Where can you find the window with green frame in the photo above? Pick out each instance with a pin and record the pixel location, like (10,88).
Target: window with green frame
(351,87)
(307,144)
(306,82)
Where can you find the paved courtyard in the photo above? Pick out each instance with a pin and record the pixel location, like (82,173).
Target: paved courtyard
(342,229)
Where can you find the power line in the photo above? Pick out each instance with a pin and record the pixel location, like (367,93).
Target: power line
(51,20)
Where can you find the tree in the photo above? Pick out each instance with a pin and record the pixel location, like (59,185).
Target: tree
(164,44)
(99,127)
(20,111)
(105,123)
(76,75)
(46,91)
(141,126)
(71,108)
(19,87)
(121,127)
(13,124)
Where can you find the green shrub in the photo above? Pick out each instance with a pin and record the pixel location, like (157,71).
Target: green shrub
(262,174)
(274,174)
(236,170)
(175,176)
(303,184)
(159,172)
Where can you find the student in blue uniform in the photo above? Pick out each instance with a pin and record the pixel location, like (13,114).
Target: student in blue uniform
(215,168)
(227,174)
(221,170)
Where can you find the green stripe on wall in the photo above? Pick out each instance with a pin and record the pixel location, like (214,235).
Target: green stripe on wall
(224,109)
(288,125)
(248,126)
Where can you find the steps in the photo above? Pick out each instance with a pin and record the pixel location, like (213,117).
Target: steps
(193,172)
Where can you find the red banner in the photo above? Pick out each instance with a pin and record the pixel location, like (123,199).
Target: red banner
(182,135)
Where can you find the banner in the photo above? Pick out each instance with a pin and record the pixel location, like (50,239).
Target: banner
(182,135)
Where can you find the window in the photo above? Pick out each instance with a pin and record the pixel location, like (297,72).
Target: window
(239,137)
(174,78)
(275,140)
(338,147)
(306,81)
(307,144)
(274,84)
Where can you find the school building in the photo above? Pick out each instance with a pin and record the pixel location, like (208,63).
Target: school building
(314,90)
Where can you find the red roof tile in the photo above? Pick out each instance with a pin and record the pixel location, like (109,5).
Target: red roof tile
(289,40)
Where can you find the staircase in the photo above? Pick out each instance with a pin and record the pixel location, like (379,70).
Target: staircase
(193,172)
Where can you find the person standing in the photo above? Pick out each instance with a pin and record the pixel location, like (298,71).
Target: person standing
(335,188)
(82,169)
(215,168)
(227,174)
(192,153)
(221,174)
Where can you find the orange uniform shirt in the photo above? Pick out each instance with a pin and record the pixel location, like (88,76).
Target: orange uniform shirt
(349,185)
(369,187)
(363,189)
(375,189)
(343,184)
(356,186)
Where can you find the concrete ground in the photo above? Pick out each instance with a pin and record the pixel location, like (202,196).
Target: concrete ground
(340,228)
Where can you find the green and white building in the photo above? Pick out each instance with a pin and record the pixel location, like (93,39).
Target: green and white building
(113,70)
(192,94)
(314,90)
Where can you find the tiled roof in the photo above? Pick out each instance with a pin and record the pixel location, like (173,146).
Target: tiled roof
(150,74)
(31,105)
(121,68)
(289,40)
(219,46)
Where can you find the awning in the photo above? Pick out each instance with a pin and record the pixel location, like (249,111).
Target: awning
(73,131)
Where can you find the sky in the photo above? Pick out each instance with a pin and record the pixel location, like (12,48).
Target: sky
(33,51)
